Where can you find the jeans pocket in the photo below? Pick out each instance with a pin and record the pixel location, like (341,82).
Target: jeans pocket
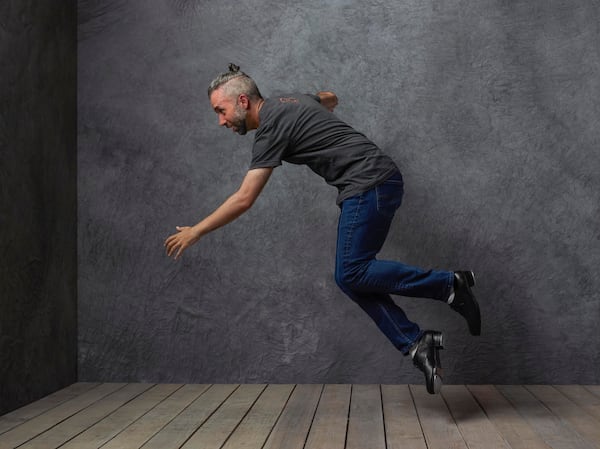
(389,197)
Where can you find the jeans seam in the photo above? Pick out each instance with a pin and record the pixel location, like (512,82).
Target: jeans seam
(347,244)
(396,327)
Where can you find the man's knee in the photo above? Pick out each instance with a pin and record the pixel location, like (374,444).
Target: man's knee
(347,279)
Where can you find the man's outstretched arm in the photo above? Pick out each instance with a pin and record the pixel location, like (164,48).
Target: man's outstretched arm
(232,208)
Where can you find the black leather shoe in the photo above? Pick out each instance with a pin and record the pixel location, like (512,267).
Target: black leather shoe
(426,357)
(465,302)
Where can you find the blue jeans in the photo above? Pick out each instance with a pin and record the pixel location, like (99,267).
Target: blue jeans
(363,227)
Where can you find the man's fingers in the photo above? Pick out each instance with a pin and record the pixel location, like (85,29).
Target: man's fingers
(171,245)
(173,237)
(179,252)
(175,248)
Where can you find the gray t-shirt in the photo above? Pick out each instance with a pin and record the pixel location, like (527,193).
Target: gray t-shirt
(297,129)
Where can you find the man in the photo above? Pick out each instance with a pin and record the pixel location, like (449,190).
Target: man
(301,129)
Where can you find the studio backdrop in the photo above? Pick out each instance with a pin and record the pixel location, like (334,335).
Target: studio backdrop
(489,107)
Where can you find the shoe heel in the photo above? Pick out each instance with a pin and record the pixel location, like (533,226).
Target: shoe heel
(470,277)
(438,340)
(437,383)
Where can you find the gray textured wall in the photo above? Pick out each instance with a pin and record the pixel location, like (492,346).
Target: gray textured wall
(38,199)
(491,109)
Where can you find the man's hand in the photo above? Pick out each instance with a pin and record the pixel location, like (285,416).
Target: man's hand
(328,99)
(177,243)
(232,208)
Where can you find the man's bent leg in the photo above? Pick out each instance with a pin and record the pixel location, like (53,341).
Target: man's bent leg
(364,223)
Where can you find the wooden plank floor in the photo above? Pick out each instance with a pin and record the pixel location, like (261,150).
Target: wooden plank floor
(168,416)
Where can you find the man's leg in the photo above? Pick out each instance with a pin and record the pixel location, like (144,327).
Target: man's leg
(389,318)
(363,227)
(364,224)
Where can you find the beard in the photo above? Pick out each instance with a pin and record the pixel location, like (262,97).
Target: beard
(239,120)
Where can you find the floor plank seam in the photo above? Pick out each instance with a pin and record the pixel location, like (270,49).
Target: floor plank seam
(385,438)
(209,415)
(243,416)
(141,417)
(209,386)
(279,416)
(348,415)
(412,397)
(312,421)
(58,423)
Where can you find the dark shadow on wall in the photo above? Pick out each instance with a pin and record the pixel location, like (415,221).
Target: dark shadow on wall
(38,200)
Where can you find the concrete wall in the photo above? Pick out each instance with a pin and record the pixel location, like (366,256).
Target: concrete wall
(490,108)
(38,200)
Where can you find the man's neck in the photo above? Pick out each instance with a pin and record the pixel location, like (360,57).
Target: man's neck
(253,117)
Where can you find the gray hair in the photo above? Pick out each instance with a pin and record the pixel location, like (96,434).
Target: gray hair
(235,82)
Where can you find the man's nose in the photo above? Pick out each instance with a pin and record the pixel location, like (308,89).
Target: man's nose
(222,120)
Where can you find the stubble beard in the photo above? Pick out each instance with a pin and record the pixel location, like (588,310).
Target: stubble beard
(239,120)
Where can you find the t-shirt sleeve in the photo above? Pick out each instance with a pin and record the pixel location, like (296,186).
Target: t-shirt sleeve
(314,97)
(268,150)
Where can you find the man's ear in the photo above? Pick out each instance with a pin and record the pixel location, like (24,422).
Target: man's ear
(244,101)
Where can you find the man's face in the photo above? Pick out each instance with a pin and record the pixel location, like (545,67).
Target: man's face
(231,114)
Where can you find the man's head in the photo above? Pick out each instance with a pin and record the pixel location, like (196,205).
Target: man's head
(231,95)
(235,82)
